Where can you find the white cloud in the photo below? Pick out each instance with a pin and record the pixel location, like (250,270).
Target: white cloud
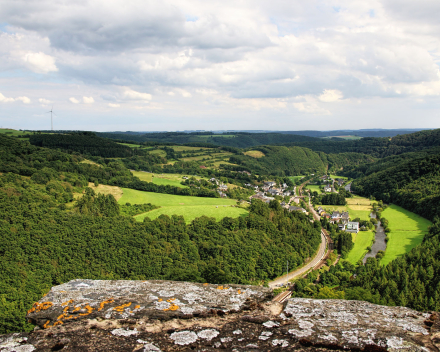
(129,94)
(3,99)
(88,100)
(40,62)
(74,100)
(44,101)
(114,105)
(25,100)
(330,95)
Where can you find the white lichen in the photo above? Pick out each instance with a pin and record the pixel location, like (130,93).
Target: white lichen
(237,332)
(282,343)
(300,333)
(226,339)
(123,332)
(208,334)
(184,337)
(265,335)
(304,324)
(271,324)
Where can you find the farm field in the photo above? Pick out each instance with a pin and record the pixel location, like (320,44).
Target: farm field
(160,179)
(139,197)
(314,188)
(194,211)
(254,153)
(361,240)
(104,189)
(358,207)
(294,178)
(407,231)
(130,145)
(334,177)
(10,132)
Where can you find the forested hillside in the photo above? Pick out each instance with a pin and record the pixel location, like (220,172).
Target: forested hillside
(412,183)
(84,143)
(45,244)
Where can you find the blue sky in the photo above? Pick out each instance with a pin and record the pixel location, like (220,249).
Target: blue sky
(176,65)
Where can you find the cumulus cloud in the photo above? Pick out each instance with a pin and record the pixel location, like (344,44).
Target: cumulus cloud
(74,100)
(330,95)
(40,62)
(130,94)
(23,99)
(114,105)
(44,101)
(3,99)
(88,100)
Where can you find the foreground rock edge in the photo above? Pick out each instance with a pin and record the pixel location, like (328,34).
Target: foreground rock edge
(257,324)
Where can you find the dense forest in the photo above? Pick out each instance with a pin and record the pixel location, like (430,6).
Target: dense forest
(46,243)
(413,183)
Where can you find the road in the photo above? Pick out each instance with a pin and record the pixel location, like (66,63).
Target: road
(301,271)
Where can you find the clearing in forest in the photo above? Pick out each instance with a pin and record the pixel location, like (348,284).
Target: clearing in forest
(254,153)
(358,207)
(160,179)
(194,211)
(104,189)
(361,240)
(407,231)
(189,207)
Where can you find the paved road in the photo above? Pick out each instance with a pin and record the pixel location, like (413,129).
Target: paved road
(301,271)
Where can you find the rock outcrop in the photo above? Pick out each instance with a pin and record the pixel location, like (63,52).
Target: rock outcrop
(87,315)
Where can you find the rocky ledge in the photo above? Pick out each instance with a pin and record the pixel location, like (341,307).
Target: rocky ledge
(86,315)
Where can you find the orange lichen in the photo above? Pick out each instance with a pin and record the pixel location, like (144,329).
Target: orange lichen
(170,300)
(76,309)
(40,306)
(102,304)
(46,325)
(220,288)
(137,307)
(122,307)
(172,307)
(66,309)
(66,303)
(61,316)
(89,310)
(57,323)
(205,284)
(239,292)
(160,299)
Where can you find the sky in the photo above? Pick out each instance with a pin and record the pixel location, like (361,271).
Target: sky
(141,65)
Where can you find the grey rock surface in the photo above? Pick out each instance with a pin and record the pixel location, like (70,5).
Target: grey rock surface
(228,320)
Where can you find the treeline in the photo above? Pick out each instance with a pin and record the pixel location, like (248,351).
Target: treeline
(45,244)
(86,143)
(412,280)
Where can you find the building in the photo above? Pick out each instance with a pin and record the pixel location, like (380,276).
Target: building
(297,209)
(352,227)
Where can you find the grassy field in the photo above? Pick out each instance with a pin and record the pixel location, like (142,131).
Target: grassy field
(334,177)
(361,240)
(104,189)
(314,188)
(10,132)
(160,179)
(358,207)
(131,145)
(159,152)
(407,231)
(294,178)
(254,153)
(167,200)
(182,148)
(195,211)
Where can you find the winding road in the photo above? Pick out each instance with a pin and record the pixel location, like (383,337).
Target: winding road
(321,253)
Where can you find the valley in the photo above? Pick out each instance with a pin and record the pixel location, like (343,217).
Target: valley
(102,209)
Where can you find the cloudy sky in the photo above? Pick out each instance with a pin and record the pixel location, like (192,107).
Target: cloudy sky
(147,65)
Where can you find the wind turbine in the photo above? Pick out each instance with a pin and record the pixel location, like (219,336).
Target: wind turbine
(51,120)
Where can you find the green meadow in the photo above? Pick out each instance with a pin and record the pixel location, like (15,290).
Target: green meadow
(334,177)
(187,206)
(195,211)
(294,178)
(358,207)
(361,240)
(314,188)
(160,179)
(161,199)
(407,231)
